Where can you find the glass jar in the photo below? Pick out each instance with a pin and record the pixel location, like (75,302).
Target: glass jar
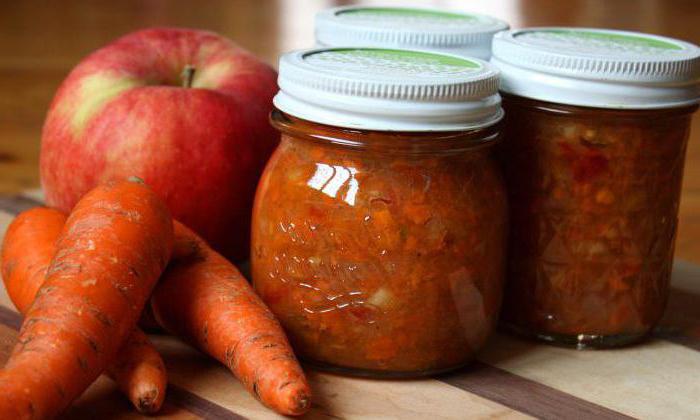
(444,31)
(594,189)
(381,249)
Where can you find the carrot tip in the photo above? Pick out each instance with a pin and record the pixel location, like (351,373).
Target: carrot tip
(147,403)
(303,403)
(300,405)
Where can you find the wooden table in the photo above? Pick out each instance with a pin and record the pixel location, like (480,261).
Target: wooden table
(41,41)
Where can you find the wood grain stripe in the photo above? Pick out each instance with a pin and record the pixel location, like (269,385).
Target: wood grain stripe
(525,395)
(10,318)
(681,322)
(16,203)
(198,405)
(678,337)
(176,395)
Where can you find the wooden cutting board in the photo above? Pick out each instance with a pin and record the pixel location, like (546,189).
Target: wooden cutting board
(512,378)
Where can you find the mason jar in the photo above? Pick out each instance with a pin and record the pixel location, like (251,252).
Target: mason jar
(595,139)
(379,223)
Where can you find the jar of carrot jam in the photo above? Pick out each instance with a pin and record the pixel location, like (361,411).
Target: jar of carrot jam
(379,223)
(596,129)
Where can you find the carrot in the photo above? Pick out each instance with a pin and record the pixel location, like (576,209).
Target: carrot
(112,249)
(27,250)
(140,373)
(203,298)
(29,245)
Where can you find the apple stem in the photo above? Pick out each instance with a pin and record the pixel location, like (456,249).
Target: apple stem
(187,75)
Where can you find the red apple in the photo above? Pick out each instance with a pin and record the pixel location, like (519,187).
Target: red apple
(186,110)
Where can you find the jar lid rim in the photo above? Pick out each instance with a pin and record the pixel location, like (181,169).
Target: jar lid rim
(408,27)
(598,67)
(400,19)
(388,89)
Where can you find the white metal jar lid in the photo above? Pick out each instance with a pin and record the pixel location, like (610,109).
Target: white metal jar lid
(388,90)
(409,28)
(598,68)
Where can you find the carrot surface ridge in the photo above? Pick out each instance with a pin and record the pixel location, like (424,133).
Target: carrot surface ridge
(28,247)
(111,251)
(203,298)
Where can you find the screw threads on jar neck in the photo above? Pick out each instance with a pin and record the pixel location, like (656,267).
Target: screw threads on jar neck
(417,143)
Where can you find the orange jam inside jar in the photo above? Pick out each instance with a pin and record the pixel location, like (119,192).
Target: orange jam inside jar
(597,124)
(380,221)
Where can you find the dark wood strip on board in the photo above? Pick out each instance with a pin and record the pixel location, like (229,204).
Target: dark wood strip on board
(524,395)
(681,322)
(199,406)
(677,337)
(176,395)
(10,318)
(15,204)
